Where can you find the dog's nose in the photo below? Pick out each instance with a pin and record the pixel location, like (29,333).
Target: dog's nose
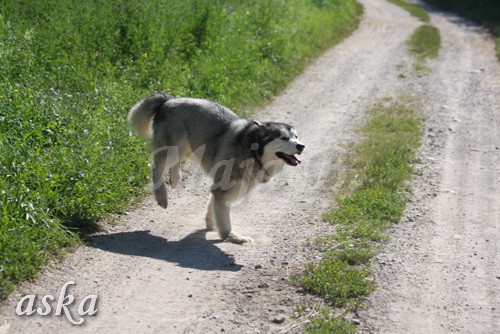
(300,147)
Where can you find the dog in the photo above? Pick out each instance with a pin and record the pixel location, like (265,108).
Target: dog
(237,153)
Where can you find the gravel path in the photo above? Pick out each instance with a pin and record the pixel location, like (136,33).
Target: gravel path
(158,271)
(441,271)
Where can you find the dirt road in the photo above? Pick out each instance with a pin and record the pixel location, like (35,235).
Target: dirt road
(441,271)
(158,271)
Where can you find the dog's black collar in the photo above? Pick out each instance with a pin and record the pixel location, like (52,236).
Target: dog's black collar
(257,157)
(258,149)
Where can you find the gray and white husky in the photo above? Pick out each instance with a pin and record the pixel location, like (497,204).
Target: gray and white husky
(236,153)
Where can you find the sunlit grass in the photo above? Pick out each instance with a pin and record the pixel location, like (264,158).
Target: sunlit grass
(425,42)
(370,201)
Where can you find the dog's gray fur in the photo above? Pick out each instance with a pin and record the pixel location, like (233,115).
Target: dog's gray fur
(237,153)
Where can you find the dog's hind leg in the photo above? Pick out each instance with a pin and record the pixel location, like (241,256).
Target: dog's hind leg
(170,145)
(175,168)
(160,156)
(222,211)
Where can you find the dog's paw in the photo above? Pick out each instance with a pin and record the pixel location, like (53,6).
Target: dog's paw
(161,196)
(163,204)
(239,239)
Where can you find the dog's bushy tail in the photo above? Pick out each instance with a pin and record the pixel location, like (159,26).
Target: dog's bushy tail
(141,115)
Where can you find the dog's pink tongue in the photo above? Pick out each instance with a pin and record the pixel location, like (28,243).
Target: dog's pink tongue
(297,160)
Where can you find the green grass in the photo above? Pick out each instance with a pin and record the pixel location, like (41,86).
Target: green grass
(485,12)
(329,325)
(70,70)
(412,9)
(425,42)
(373,195)
(320,320)
(371,199)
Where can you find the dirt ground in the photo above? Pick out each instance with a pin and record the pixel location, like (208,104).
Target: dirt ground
(441,271)
(159,271)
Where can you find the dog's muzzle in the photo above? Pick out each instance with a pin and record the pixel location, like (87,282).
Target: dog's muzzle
(291,159)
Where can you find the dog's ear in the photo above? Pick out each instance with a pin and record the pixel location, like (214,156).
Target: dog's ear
(262,127)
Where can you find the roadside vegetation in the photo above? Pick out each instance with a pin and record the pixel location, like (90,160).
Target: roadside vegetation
(425,42)
(69,72)
(485,12)
(371,196)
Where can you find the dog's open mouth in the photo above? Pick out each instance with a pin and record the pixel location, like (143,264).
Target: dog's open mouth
(291,160)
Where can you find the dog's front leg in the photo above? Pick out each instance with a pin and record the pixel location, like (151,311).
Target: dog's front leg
(221,212)
(210,217)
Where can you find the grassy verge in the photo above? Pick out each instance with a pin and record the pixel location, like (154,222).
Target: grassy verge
(485,12)
(372,197)
(70,71)
(425,42)
(412,9)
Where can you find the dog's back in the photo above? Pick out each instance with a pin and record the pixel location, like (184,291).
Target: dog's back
(205,121)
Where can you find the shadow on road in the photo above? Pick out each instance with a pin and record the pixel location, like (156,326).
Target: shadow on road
(453,17)
(194,251)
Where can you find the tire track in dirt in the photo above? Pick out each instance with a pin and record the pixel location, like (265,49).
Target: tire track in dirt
(441,271)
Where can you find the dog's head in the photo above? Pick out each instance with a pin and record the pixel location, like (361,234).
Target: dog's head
(279,144)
